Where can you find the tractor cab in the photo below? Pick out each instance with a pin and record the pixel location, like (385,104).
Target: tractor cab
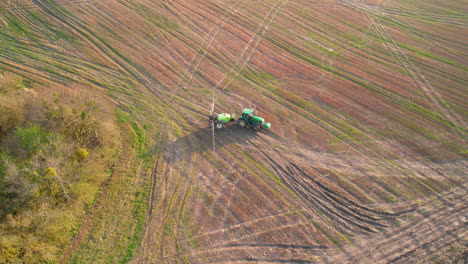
(247,113)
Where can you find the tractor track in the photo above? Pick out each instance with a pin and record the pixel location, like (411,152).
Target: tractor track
(145,237)
(210,56)
(79,66)
(358,164)
(170,191)
(128,68)
(433,226)
(452,19)
(266,198)
(207,44)
(252,222)
(402,101)
(90,37)
(190,43)
(235,234)
(252,45)
(136,40)
(48,51)
(320,199)
(366,150)
(419,80)
(359,216)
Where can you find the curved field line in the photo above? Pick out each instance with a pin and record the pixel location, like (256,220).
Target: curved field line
(285,246)
(336,130)
(106,50)
(457,20)
(436,223)
(17,7)
(206,45)
(235,246)
(86,69)
(89,36)
(258,36)
(333,206)
(420,81)
(137,39)
(249,222)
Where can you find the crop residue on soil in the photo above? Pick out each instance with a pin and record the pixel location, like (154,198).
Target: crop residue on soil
(367,101)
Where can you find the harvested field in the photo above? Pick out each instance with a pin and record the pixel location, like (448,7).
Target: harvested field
(366,158)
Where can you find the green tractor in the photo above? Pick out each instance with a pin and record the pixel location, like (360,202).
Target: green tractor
(247,119)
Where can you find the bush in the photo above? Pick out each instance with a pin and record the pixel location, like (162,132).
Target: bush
(31,138)
(78,121)
(15,193)
(8,120)
(80,155)
(50,169)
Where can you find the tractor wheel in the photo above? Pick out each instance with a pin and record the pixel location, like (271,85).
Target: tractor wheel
(241,123)
(219,125)
(256,127)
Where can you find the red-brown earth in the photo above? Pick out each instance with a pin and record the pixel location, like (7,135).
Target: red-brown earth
(366,158)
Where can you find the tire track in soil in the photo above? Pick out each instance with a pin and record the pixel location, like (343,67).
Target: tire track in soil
(146,231)
(252,45)
(86,69)
(245,223)
(237,244)
(432,227)
(237,232)
(345,214)
(169,62)
(279,215)
(171,189)
(412,71)
(105,49)
(36,73)
(330,204)
(165,95)
(48,50)
(190,44)
(99,45)
(379,159)
(247,26)
(452,19)
(206,45)
(367,151)
(219,61)
(171,199)
(240,237)
(17,7)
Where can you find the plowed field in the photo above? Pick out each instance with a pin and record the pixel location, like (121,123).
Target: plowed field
(366,160)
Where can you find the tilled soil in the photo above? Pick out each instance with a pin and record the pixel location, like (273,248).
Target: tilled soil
(366,158)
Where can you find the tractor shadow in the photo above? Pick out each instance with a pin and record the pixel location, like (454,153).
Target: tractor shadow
(201,141)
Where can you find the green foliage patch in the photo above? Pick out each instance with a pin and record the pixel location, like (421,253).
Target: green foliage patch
(54,156)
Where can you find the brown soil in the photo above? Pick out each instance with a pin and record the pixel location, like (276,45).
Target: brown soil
(366,158)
